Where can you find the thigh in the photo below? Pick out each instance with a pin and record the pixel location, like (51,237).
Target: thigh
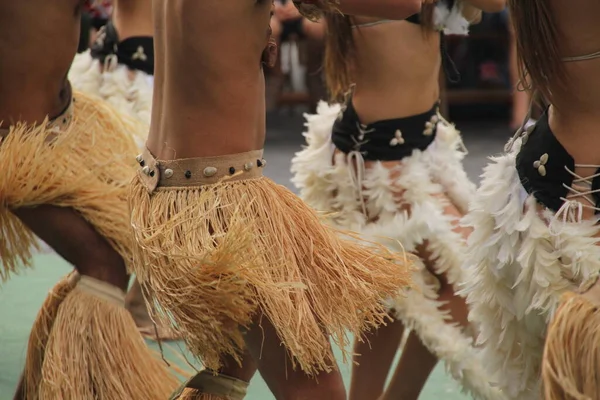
(274,364)
(77,241)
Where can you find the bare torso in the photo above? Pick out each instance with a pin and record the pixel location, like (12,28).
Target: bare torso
(396,70)
(38,40)
(209,96)
(133,18)
(575,119)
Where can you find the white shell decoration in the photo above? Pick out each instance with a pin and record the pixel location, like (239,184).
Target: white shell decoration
(210,171)
(398,139)
(168,173)
(540,165)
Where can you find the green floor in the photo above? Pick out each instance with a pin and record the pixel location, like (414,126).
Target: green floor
(21,297)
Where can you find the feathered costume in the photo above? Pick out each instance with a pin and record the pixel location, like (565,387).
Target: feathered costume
(401,206)
(529,245)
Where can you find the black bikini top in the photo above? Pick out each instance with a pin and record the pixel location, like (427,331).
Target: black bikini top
(543,165)
(386,140)
(137,52)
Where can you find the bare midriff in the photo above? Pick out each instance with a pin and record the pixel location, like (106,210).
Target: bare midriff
(133,18)
(38,40)
(209,94)
(574,116)
(396,70)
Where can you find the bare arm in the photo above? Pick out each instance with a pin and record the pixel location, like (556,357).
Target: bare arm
(389,9)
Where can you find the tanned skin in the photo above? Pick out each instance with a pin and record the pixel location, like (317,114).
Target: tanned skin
(209,99)
(388,87)
(38,40)
(133,18)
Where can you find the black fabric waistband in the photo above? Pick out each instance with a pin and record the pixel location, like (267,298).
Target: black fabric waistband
(386,140)
(137,52)
(542,166)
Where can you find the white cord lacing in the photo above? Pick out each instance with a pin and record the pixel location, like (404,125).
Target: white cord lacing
(580,197)
(356,163)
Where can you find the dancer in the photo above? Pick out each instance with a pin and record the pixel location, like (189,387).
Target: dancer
(386,164)
(235,260)
(64,157)
(119,67)
(535,214)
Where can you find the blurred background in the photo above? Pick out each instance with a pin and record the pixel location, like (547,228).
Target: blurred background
(483,105)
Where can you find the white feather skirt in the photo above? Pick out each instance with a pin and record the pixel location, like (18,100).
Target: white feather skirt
(520,260)
(420,183)
(128,91)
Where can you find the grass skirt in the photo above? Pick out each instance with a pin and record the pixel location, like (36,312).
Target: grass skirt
(520,261)
(418,182)
(128,91)
(85,164)
(571,364)
(215,255)
(84,345)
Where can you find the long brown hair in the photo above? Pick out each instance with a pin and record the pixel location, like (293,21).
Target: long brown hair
(540,63)
(340,50)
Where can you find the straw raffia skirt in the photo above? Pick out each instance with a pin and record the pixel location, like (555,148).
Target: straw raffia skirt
(84,164)
(84,344)
(418,183)
(571,364)
(521,259)
(127,90)
(218,243)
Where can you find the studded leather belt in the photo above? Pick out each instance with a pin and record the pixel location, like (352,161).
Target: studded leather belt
(200,171)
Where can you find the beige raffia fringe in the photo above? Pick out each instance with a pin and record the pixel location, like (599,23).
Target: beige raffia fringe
(94,351)
(571,364)
(38,338)
(86,166)
(213,256)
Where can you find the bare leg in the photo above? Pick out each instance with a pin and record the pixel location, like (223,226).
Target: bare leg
(412,372)
(74,239)
(274,365)
(417,362)
(374,357)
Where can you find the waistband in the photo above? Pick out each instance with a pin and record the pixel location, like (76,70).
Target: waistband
(136,52)
(547,171)
(201,171)
(55,125)
(386,140)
